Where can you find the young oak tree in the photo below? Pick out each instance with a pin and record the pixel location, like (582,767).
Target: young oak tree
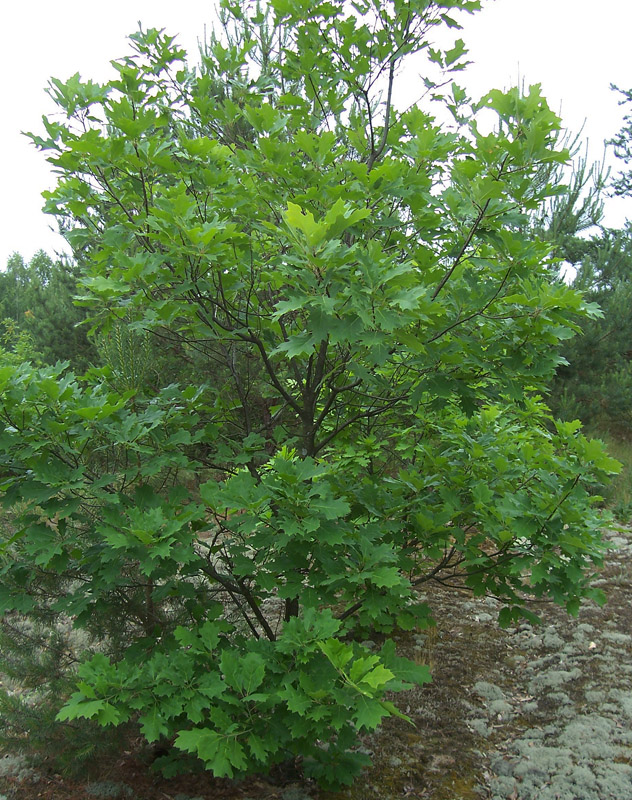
(364,327)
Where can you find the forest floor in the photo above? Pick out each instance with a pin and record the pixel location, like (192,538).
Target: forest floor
(519,714)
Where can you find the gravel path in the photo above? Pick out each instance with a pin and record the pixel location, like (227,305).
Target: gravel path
(567,701)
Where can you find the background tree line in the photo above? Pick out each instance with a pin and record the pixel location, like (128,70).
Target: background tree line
(38,314)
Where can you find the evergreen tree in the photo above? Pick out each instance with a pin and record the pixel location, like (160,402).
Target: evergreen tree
(622,143)
(595,385)
(14,282)
(37,299)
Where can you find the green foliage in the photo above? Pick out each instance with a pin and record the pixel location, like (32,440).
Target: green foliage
(576,207)
(594,382)
(128,355)
(623,145)
(37,299)
(368,331)
(36,660)
(16,346)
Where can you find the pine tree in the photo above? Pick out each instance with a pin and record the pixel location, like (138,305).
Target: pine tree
(38,299)
(595,385)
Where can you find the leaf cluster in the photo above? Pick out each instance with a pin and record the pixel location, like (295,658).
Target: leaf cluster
(39,316)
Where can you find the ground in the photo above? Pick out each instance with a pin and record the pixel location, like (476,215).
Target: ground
(525,713)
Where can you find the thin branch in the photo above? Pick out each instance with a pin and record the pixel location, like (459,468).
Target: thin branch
(375,154)
(462,251)
(360,415)
(250,337)
(476,313)
(317,95)
(335,391)
(470,236)
(240,589)
(443,564)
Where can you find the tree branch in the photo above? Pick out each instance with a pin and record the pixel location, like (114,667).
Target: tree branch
(250,337)
(476,313)
(470,236)
(375,154)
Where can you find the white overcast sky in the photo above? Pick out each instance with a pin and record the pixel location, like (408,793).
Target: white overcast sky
(574,48)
